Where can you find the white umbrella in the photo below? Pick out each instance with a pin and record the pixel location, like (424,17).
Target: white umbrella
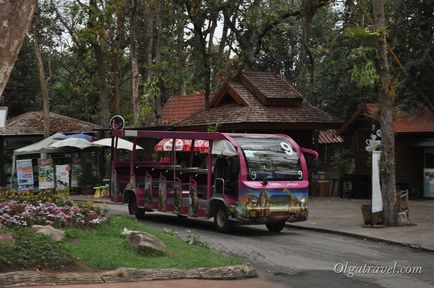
(122,144)
(72,142)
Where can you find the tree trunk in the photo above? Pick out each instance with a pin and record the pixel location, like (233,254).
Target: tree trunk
(116,82)
(146,40)
(100,57)
(16,16)
(117,48)
(180,50)
(156,59)
(44,87)
(386,120)
(309,10)
(134,63)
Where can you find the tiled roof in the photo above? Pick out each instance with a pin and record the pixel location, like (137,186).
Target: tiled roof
(179,107)
(32,123)
(420,122)
(252,110)
(270,88)
(329,137)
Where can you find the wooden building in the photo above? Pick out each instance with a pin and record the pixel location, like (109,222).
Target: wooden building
(252,102)
(28,128)
(414,146)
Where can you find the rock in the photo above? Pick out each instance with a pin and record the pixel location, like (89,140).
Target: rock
(48,230)
(143,241)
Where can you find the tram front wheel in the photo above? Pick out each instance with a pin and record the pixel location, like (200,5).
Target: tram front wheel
(221,220)
(275,227)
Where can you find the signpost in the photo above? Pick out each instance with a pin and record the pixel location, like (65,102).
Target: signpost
(3,116)
(25,175)
(373,145)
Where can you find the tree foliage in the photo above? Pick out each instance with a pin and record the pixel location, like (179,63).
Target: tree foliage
(204,42)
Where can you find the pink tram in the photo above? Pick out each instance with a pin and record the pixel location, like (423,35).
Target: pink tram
(233,178)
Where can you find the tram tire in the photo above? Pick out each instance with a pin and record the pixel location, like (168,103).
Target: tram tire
(140,213)
(134,210)
(275,227)
(221,220)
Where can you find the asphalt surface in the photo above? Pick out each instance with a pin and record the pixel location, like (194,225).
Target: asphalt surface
(302,258)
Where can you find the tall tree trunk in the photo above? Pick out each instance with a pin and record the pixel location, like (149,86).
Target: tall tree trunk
(100,57)
(200,38)
(116,82)
(44,87)
(134,63)
(43,79)
(16,16)
(180,51)
(117,43)
(309,11)
(156,59)
(147,40)
(386,119)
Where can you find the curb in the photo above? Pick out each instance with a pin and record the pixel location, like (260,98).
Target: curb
(370,238)
(31,278)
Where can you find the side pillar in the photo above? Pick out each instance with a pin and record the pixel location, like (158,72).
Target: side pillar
(3,179)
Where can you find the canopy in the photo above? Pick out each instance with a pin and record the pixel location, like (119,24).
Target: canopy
(42,146)
(223,147)
(72,142)
(182,145)
(220,147)
(122,144)
(77,135)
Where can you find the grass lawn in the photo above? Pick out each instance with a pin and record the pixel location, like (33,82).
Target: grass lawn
(106,248)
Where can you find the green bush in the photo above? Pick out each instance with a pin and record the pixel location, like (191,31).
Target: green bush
(342,161)
(32,250)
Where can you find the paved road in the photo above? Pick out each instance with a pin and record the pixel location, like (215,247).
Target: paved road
(298,258)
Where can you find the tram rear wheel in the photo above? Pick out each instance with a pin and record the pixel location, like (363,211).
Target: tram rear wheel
(134,210)
(275,227)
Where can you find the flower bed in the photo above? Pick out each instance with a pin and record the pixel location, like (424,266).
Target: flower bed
(15,213)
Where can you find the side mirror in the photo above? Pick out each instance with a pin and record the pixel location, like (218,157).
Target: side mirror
(315,158)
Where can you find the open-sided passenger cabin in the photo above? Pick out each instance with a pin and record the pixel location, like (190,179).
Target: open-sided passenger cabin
(166,172)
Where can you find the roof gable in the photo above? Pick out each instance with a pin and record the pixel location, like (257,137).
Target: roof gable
(32,123)
(236,104)
(270,89)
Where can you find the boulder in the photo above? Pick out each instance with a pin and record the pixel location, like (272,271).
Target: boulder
(143,241)
(48,230)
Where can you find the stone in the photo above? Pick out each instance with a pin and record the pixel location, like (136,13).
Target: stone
(144,242)
(48,230)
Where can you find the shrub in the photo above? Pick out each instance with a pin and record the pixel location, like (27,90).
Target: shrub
(33,250)
(14,213)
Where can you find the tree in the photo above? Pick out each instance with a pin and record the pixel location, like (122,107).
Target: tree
(204,17)
(95,26)
(43,79)
(134,62)
(16,17)
(386,95)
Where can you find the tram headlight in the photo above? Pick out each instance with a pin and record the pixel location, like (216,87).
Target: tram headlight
(303,202)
